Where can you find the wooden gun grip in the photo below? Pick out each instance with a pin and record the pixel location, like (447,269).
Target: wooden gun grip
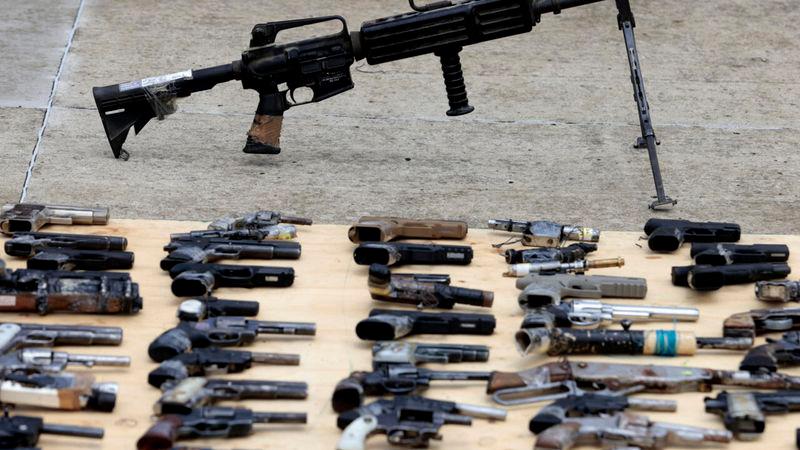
(162,435)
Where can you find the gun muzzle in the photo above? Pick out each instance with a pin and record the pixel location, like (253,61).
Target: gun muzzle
(71,430)
(276,359)
(292,328)
(272,417)
(481,412)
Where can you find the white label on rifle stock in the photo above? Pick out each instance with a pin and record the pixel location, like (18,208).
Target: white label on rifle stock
(8,300)
(271,278)
(155,80)
(451,255)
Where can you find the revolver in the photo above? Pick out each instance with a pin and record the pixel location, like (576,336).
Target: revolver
(667,235)
(220,332)
(14,336)
(257,220)
(414,289)
(42,360)
(185,395)
(384,229)
(26,217)
(743,412)
(407,421)
(542,233)
(191,280)
(22,432)
(387,324)
(213,360)
(625,430)
(395,379)
(207,250)
(778,291)
(209,421)
(775,353)
(585,313)
(44,291)
(64,391)
(25,245)
(541,290)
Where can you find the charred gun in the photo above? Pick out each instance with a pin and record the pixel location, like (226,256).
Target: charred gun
(579,403)
(407,421)
(210,421)
(594,314)
(413,289)
(550,381)
(14,336)
(744,412)
(194,392)
(542,290)
(42,360)
(257,220)
(197,309)
(273,232)
(566,341)
(568,254)
(212,249)
(212,361)
(64,391)
(23,431)
(624,430)
(220,332)
(71,259)
(667,235)
(774,354)
(761,321)
(542,233)
(395,254)
(393,352)
(395,379)
(191,280)
(715,254)
(778,291)
(710,278)
(45,291)
(384,229)
(387,325)
(26,217)
(25,245)
(579,267)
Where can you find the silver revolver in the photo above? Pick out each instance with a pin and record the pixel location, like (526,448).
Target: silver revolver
(585,313)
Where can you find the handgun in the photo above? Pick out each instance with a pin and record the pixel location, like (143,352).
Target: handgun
(387,324)
(25,245)
(384,229)
(192,280)
(667,235)
(27,217)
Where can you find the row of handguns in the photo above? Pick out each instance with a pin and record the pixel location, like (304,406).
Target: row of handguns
(590,398)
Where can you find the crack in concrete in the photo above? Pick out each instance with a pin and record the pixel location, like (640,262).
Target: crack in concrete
(35,153)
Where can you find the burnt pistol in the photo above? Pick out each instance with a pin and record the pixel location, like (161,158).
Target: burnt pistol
(210,421)
(192,280)
(185,395)
(407,421)
(566,341)
(568,254)
(761,321)
(710,278)
(384,229)
(778,291)
(63,391)
(413,289)
(387,324)
(396,352)
(542,233)
(45,291)
(207,250)
(72,259)
(579,267)
(26,217)
(667,235)
(213,360)
(776,353)
(25,245)
(744,412)
(42,360)
(22,432)
(220,332)
(396,253)
(716,254)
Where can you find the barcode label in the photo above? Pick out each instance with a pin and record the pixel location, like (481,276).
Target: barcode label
(155,80)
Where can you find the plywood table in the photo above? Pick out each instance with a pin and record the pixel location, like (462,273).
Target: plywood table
(330,289)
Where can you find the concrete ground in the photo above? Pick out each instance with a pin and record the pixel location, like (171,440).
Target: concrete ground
(550,137)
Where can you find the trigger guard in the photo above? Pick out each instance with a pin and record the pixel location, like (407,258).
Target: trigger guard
(291,101)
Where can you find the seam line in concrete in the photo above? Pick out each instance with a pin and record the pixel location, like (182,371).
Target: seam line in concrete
(40,134)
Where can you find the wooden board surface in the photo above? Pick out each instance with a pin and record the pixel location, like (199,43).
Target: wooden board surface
(330,289)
